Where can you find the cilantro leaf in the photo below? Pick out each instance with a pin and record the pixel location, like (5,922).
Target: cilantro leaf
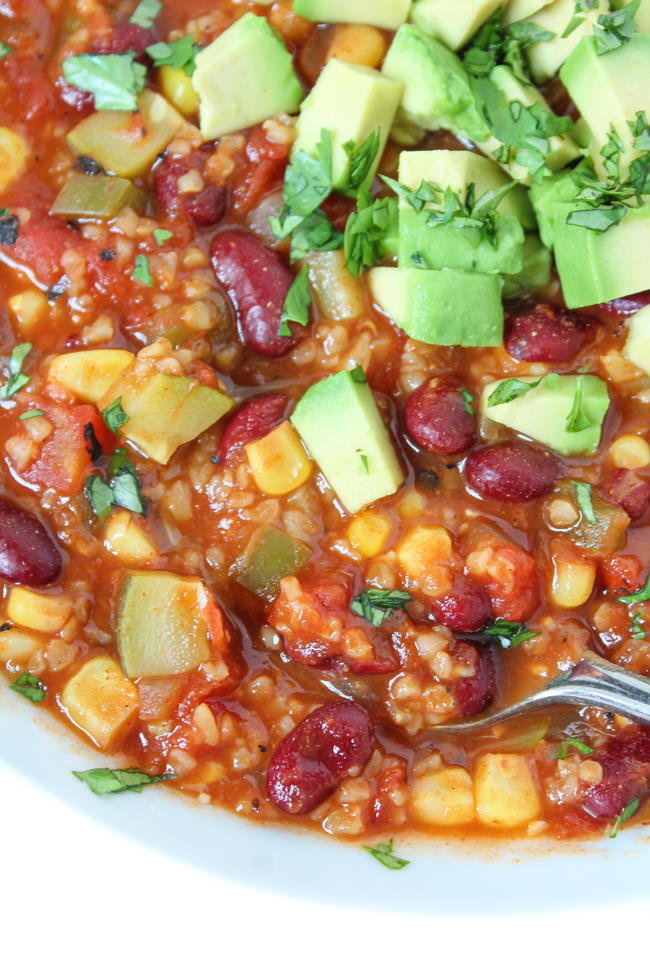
(584,492)
(127,493)
(581,7)
(178,54)
(141,271)
(365,231)
(114,416)
(615,29)
(120,461)
(114,79)
(5,49)
(145,13)
(427,192)
(496,43)
(361,159)
(99,495)
(17,379)
(308,179)
(510,389)
(103,781)
(358,375)
(30,687)
(577,419)
(383,853)
(637,631)
(599,219)
(161,236)
(296,304)
(312,233)
(637,597)
(626,814)
(468,400)
(376,605)
(568,743)
(509,635)
(30,414)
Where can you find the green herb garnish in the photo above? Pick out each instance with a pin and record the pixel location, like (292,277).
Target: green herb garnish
(177,54)
(114,416)
(365,231)
(637,631)
(30,687)
(627,813)
(509,635)
(496,43)
(376,605)
(114,79)
(577,419)
(468,400)
(615,29)
(17,378)
(383,853)
(161,236)
(145,13)
(141,271)
(569,743)
(99,495)
(584,493)
(361,159)
(637,597)
(30,414)
(5,49)
(581,7)
(510,389)
(122,490)
(296,304)
(358,374)
(103,781)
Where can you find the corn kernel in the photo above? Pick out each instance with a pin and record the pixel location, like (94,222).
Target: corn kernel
(630,451)
(13,156)
(101,701)
(506,795)
(128,540)
(368,533)
(27,308)
(423,547)
(38,611)
(278,461)
(17,647)
(358,44)
(178,89)
(573,582)
(444,798)
(89,375)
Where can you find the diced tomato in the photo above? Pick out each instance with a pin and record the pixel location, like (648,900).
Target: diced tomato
(622,574)
(264,170)
(65,457)
(509,575)
(40,246)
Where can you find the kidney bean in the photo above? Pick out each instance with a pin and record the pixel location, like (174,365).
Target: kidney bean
(310,762)
(257,283)
(546,334)
(253,420)
(511,472)
(205,208)
(474,694)
(465,609)
(629,491)
(625,761)
(437,419)
(27,553)
(123,38)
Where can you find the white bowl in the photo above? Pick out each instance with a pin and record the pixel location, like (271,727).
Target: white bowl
(443,877)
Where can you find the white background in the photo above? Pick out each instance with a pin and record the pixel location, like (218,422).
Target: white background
(75,898)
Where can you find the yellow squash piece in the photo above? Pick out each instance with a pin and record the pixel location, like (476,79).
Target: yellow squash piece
(101,701)
(443,798)
(89,375)
(13,156)
(278,461)
(38,611)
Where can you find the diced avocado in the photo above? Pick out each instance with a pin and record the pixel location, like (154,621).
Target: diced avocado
(165,411)
(89,374)
(545,194)
(352,102)
(637,346)
(460,248)
(99,197)
(454,22)
(270,556)
(244,77)
(535,272)
(547,57)
(598,267)
(441,307)
(342,427)
(437,90)
(127,143)
(457,169)
(641,17)
(609,90)
(543,412)
(389,14)
(521,9)
(161,629)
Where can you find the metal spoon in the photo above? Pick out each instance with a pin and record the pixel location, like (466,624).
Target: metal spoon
(593,681)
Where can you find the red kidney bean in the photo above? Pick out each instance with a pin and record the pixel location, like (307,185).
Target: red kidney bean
(310,762)
(625,762)
(511,472)
(205,208)
(123,38)
(257,282)
(27,553)
(625,306)
(546,334)
(253,420)
(437,419)
(466,609)
(474,694)
(629,491)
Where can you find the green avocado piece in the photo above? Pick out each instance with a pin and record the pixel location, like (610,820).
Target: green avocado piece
(99,197)
(460,248)
(352,102)
(547,57)
(454,22)
(244,77)
(544,195)
(543,412)
(342,427)
(389,14)
(609,90)
(437,90)
(535,272)
(598,267)
(637,345)
(441,307)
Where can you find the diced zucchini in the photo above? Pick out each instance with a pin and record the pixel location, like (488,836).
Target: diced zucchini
(98,196)
(101,701)
(126,143)
(13,156)
(161,629)
(339,295)
(270,556)
(89,375)
(44,612)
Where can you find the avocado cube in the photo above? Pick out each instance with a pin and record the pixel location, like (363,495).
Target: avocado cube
(460,248)
(389,14)
(609,91)
(342,427)
(543,412)
(441,307)
(244,77)
(127,143)
(352,102)
(546,194)
(637,345)
(161,630)
(454,22)
(96,197)
(535,271)
(547,57)
(437,91)
(101,701)
(270,556)
(165,411)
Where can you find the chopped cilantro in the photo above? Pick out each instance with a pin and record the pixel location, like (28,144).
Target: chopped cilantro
(637,597)
(120,461)
(17,378)
(496,43)
(376,605)
(637,631)
(141,271)
(577,419)
(114,79)
(569,743)
(126,492)
(99,495)
(5,49)
(615,29)
(30,687)
(308,179)
(161,236)
(312,233)
(361,160)
(358,374)
(468,400)
(510,389)
(30,414)
(145,13)
(178,54)
(584,492)
(365,231)
(364,460)
(296,304)
(102,781)
(581,7)
(509,635)
(383,853)
(626,814)
(114,416)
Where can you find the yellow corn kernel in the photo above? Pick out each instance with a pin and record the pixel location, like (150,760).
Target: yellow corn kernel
(423,547)
(506,795)
(572,583)
(444,798)
(368,533)
(13,156)
(178,89)
(630,451)
(128,540)
(28,308)
(278,461)
(38,611)
(89,375)
(411,505)
(358,44)
(17,647)
(101,701)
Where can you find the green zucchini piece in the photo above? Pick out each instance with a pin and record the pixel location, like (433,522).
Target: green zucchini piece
(99,197)
(270,556)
